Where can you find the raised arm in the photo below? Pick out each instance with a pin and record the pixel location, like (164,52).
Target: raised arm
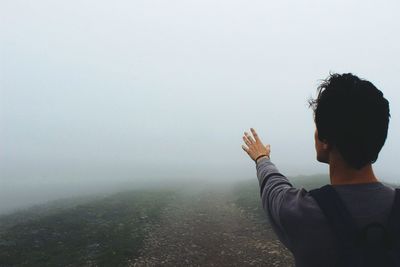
(273,184)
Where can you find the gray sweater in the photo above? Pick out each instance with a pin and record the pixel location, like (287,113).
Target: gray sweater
(300,224)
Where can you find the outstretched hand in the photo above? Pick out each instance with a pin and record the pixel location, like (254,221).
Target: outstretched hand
(255,146)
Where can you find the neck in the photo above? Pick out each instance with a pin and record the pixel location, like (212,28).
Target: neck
(341,173)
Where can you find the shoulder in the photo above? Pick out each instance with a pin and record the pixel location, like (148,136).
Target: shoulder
(303,220)
(298,202)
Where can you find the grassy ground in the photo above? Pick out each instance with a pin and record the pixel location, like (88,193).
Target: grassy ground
(309,182)
(103,232)
(247,197)
(178,226)
(206,227)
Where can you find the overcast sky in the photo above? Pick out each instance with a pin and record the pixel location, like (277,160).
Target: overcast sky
(143,89)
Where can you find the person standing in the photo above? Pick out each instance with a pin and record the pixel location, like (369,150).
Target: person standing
(331,225)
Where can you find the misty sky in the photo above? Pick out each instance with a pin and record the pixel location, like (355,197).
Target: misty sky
(141,90)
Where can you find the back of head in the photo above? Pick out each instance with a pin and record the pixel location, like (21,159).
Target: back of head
(352,115)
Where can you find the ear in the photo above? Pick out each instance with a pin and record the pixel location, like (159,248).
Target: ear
(326,145)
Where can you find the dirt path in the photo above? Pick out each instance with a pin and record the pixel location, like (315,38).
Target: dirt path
(206,228)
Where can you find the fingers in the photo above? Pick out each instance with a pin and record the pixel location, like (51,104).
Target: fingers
(252,142)
(255,135)
(249,137)
(247,141)
(245,148)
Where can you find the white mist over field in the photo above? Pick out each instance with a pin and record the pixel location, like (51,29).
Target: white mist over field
(98,94)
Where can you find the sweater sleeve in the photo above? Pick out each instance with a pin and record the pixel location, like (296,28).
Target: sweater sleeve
(273,186)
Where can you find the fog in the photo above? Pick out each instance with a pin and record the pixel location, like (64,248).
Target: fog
(99,94)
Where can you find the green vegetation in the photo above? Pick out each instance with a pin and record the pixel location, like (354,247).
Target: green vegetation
(106,232)
(247,197)
(309,182)
(110,230)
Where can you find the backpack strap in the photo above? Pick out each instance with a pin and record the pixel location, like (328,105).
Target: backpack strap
(340,220)
(394,219)
(344,227)
(336,212)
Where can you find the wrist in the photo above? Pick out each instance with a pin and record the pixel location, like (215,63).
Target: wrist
(261,157)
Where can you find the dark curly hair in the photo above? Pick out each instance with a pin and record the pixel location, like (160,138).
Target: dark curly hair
(352,115)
